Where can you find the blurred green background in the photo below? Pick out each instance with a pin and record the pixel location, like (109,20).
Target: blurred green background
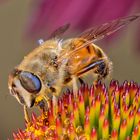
(13,16)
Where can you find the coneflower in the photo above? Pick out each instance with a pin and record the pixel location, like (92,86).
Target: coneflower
(98,112)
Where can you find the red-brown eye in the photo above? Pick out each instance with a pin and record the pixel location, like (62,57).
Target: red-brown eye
(30,82)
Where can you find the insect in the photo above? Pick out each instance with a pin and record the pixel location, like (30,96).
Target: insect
(57,62)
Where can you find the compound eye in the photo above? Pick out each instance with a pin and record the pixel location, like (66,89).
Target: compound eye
(30,82)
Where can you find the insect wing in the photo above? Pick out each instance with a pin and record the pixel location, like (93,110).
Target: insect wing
(107,29)
(99,32)
(60,31)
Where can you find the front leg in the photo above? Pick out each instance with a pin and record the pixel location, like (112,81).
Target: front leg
(26,115)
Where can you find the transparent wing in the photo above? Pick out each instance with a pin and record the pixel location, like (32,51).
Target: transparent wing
(96,33)
(60,31)
(108,28)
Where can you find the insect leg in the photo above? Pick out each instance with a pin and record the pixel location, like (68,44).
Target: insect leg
(46,98)
(26,115)
(41,105)
(61,75)
(60,82)
(81,81)
(75,86)
(103,70)
(55,101)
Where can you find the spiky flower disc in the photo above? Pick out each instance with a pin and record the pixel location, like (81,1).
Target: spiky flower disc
(97,112)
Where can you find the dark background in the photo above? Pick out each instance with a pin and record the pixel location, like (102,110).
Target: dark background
(13,16)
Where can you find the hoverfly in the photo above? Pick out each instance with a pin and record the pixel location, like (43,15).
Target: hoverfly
(57,62)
